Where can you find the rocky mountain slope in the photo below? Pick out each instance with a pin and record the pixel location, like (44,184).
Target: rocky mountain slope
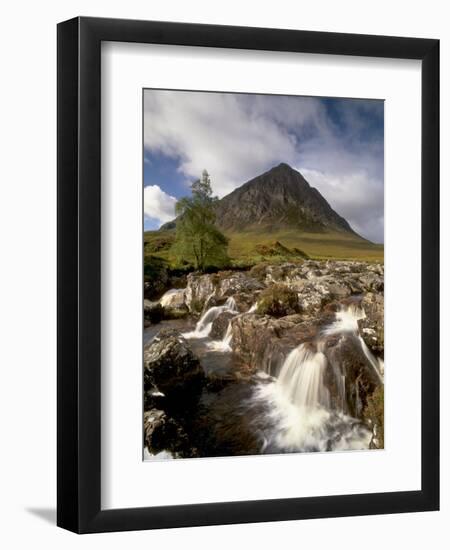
(278,198)
(281,198)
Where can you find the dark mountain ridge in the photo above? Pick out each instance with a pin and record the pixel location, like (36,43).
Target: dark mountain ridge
(281,197)
(277,199)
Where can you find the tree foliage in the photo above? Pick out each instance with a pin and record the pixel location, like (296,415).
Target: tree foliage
(198,241)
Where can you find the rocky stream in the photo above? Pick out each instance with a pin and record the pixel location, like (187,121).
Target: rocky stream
(279,358)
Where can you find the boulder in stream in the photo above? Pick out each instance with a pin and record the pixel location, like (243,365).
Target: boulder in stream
(372,326)
(350,376)
(173,299)
(205,291)
(220,325)
(164,433)
(171,367)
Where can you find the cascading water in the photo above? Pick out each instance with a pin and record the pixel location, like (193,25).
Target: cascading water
(347,321)
(299,410)
(204,325)
(224,345)
(377,364)
(302,377)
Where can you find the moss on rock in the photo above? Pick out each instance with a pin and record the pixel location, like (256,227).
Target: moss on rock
(278,301)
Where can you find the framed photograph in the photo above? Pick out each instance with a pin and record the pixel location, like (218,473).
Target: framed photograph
(248,288)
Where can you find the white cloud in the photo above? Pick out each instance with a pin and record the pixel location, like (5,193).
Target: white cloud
(218,132)
(158,205)
(237,137)
(355,196)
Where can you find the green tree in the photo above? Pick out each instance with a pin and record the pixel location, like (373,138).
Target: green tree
(198,241)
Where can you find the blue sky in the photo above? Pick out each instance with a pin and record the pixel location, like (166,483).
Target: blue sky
(337,144)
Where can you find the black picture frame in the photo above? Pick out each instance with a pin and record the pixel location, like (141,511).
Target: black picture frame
(79,281)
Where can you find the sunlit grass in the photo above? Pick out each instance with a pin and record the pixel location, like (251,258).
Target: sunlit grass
(242,246)
(316,245)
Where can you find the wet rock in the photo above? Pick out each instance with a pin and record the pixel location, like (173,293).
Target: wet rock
(374,414)
(220,325)
(289,320)
(174,299)
(199,288)
(205,291)
(174,381)
(350,377)
(180,312)
(157,277)
(153,312)
(372,282)
(254,340)
(372,326)
(264,342)
(246,300)
(354,284)
(149,305)
(164,433)
(376,268)
(338,291)
(286,273)
(238,282)
(153,398)
(279,300)
(172,368)
(316,282)
(313,296)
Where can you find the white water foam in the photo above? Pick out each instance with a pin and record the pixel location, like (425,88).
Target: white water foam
(163,455)
(224,345)
(204,325)
(299,402)
(347,321)
(298,409)
(302,378)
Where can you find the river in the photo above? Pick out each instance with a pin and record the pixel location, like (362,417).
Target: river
(246,412)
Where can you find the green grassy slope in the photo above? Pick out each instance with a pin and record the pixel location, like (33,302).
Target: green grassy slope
(243,247)
(316,245)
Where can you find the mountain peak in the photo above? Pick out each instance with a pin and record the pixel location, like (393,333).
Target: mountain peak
(280,197)
(283,168)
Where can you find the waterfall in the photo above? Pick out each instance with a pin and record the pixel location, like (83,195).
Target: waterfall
(298,400)
(225,343)
(228,335)
(298,409)
(298,403)
(377,364)
(347,321)
(204,325)
(301,377)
